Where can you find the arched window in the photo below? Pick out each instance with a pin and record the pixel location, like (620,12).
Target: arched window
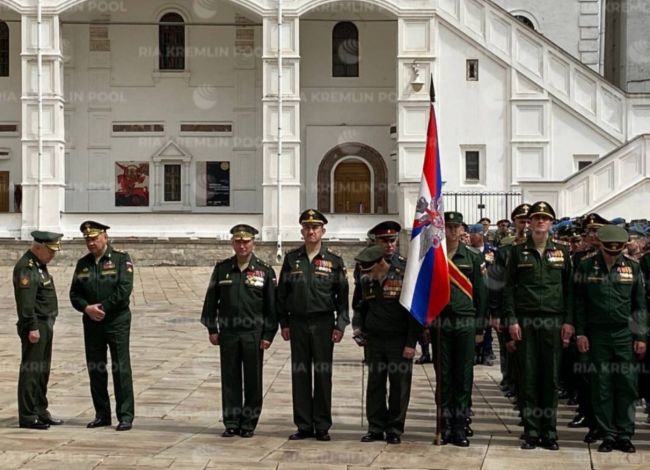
(171,42)
(345,50)
(525,20)
(4,49)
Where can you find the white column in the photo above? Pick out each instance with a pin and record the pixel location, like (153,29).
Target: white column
(290,174)
(48,215)
(416,48)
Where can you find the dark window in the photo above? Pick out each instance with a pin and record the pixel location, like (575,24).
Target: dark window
(472,70)
(525,21)
(172,183)
(4,49)
(472,172)
(582,164)
(345,50)
(171,41)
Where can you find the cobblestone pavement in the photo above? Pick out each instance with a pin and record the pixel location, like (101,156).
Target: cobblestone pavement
(177,425)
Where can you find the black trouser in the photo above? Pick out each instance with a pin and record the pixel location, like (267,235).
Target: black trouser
(34,373)
(241,357)
(312,350)
(385,363)
(99,337)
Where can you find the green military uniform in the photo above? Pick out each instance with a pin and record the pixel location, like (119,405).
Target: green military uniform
(644,378)
(37,308)
(312,300)
(388,328)
(460,322)
(610,310)
(107,281)
(538,296)
(239,306)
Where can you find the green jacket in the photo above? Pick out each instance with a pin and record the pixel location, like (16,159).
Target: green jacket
(607,300)
(312,288)
(34,292)
(470,262)
(241,301)
(540,285)
(108,282)
(645,269)
(378,312)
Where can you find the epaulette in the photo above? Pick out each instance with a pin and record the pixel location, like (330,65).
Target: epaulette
(122,252)
(263,263)
(589,255)
(473,250)
(335,253)
(562,242)
(401,258)
(30,263)
(295,250)
(223,261)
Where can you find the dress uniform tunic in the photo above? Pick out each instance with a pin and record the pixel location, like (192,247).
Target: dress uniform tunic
(538,296)
(109,282)
(37,307)
(610,310)
(312,300)
(240,307)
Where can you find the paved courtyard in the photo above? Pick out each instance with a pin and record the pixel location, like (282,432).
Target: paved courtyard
(177,425)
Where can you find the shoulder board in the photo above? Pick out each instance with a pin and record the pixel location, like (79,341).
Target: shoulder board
(30,263)
(589,255)
(335,253)
(473,250)
(223,261)
(630,258)
(401,258)
(561,242)
(262,263)
(295,250)
(122,252)
(517,242)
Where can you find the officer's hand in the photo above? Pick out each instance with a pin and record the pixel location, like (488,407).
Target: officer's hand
(408,353)
(285,334)
(95,312)
(515,332)
(214,339)
(496,324)
(337,335)
(566,334)
(639,349)
(478,339)
(582,342)
(264,344)
(35,335)
(511,346)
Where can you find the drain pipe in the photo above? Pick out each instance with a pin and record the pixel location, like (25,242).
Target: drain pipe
(39,91)
(278,254)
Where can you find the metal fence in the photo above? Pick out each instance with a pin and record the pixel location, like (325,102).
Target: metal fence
(475,205)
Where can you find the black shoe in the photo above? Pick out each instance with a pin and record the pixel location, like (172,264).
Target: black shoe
(52,420)
(606,446)
(529,443)
(578,421)
(323,436)
(549,444)
(300,435)
(35,424)
(372,437)
(246,434)
(592,436)
(468,431)
(423,359)
(123,426)
(98,423)
(230,432)
(625,445)
(459,439)
(392,438)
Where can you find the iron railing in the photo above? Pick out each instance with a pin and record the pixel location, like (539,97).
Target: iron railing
(474,205)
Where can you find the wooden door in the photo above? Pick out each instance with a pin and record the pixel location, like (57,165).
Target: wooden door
(4,191)
(352,188)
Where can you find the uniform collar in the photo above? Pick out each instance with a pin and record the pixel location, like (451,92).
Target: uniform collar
(34,258)
(531,244)
(321,252)
(251,263)
(619,259)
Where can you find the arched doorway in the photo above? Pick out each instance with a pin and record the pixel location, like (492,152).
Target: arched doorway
(352,183)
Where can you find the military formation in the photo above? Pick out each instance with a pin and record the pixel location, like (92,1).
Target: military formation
(565,299)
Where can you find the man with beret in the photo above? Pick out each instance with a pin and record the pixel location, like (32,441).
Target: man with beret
(101,289)
(538,304)
(390,332)
(37,307)
(459,328)
(239,313)
(611,325)
(312,307)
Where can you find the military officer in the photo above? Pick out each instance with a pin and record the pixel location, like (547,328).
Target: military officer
(538,304)
(37,308)
(101,288)
(239,313)
(461,326)
(312,303)
(503,227)
(390,332)
(611,325)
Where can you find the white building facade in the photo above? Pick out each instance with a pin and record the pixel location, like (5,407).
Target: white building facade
(173,118)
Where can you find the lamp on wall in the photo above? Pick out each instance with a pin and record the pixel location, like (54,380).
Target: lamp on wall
(417,82)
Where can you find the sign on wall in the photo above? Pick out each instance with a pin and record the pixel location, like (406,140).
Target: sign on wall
(132,184)
(217,184)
